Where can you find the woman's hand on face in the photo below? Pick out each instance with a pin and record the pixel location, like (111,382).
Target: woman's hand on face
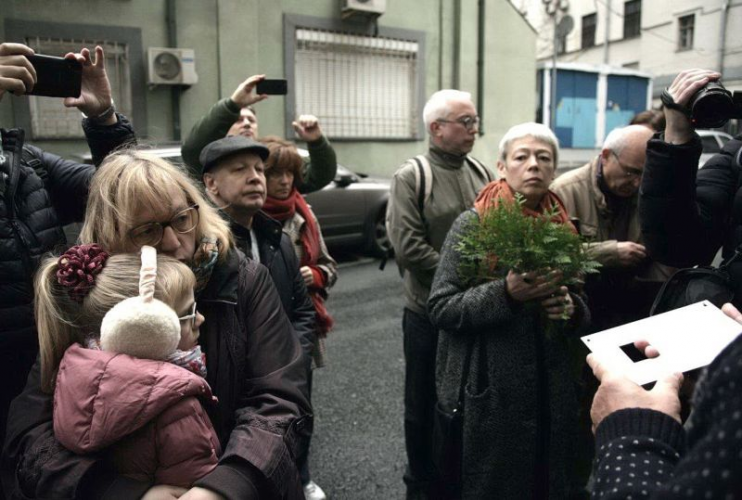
(164,492)
(559,305)
(523,287)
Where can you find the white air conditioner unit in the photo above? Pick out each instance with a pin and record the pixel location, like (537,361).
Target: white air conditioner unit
(372,8)
(171,66)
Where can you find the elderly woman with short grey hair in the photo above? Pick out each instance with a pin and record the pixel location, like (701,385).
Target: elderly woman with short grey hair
(519,405)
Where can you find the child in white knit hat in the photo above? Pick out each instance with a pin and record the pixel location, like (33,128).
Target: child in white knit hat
(131,384)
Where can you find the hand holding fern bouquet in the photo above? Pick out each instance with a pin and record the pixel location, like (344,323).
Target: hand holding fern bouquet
(537,250)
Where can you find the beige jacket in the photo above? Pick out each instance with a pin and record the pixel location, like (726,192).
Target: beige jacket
(582,197)
(417,243)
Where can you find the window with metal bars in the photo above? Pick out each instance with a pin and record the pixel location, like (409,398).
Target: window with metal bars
(686,26)
(632,18)
(360,87)
(589,23)
(49,118)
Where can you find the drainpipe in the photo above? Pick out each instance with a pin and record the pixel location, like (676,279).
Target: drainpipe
(723,34)
(440,44)
(175,90)
(456,43)
(480,67)
(606,37)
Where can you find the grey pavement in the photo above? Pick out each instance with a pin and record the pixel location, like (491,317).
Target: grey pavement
(358,446)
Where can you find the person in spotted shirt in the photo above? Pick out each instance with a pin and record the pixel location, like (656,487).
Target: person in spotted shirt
(643,451)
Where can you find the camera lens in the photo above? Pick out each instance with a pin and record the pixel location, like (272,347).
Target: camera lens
(710,106)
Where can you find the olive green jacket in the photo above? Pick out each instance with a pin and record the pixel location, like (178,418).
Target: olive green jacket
(319,169)
(417,239)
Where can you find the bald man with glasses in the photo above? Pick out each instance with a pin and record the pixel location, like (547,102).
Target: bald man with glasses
(603,195)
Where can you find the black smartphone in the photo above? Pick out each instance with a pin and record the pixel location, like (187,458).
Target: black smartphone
(272,87)
(56,76)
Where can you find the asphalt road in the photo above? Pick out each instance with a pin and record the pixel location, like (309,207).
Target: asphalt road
(358,446)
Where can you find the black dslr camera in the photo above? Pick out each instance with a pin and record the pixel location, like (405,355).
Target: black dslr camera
(713,106)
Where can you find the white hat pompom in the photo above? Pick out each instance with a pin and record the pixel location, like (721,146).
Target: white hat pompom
(142,328)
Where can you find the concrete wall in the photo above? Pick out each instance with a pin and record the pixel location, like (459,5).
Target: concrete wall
(234,39)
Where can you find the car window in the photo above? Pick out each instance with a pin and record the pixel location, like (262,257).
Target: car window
(710,145)
(724,139)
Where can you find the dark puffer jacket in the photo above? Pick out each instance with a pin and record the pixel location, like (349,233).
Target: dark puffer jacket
(49,192)
(687,214)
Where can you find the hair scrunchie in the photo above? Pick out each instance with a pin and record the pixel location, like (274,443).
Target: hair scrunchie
(77,268)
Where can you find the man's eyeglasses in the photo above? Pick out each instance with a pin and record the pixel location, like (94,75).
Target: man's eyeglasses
(191,316)
(151,233)
(629,172)
(469,122)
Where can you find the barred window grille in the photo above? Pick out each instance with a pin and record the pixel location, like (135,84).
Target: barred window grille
(358,86)
(49,118)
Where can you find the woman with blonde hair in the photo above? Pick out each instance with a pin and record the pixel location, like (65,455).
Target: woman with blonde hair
(254,364)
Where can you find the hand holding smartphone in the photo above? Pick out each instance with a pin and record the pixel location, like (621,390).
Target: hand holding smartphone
(272,87)
(56,76)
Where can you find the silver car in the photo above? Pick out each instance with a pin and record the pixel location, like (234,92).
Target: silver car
(712,141)
(350,210)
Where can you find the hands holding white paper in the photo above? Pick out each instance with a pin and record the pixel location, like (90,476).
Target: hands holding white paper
(618,392)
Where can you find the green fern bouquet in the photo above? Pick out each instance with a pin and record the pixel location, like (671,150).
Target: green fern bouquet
(505,238)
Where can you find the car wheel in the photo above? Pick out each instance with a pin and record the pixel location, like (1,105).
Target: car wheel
(379,244)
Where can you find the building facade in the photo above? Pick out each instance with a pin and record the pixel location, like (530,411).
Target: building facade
(659,38)
(366,76)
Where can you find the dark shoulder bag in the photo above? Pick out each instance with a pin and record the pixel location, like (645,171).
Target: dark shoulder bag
(448,434)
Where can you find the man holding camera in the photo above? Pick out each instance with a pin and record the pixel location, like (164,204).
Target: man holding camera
(236,116)
(39,193)
(687,214)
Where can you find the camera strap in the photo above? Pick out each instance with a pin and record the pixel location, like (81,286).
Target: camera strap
(670,103)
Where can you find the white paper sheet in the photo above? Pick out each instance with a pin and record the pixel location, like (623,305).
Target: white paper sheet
(686,338)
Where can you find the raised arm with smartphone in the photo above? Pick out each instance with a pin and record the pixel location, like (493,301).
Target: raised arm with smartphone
(39,194)
(80,78)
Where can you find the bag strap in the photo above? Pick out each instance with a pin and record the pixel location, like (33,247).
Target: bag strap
(423,182)
(483,171)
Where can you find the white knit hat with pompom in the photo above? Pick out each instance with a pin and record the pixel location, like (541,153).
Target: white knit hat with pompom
(142,326)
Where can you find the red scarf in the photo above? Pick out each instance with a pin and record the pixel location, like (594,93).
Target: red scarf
(496,191)
(283,210)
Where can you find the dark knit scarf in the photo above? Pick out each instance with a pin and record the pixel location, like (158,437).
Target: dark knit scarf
(283,210)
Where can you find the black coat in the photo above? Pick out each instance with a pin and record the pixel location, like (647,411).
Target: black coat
(50,192)
(688,214)
(278,255)
(255,369)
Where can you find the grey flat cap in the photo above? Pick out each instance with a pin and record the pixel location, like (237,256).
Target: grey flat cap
(219,150)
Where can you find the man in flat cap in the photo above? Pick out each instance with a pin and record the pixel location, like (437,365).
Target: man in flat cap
(235,181)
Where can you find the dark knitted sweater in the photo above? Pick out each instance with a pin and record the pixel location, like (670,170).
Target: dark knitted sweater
(646,454)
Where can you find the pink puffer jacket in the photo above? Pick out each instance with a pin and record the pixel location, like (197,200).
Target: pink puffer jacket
(146,411)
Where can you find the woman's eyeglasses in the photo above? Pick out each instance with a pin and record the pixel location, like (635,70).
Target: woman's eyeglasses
(151,233)
(191,316)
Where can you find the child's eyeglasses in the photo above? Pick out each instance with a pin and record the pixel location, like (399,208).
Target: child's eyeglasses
(191,316)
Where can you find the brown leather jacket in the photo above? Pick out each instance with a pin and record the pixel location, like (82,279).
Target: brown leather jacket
(255,369)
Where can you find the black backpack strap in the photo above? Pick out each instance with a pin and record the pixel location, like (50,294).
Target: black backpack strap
(421,190)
